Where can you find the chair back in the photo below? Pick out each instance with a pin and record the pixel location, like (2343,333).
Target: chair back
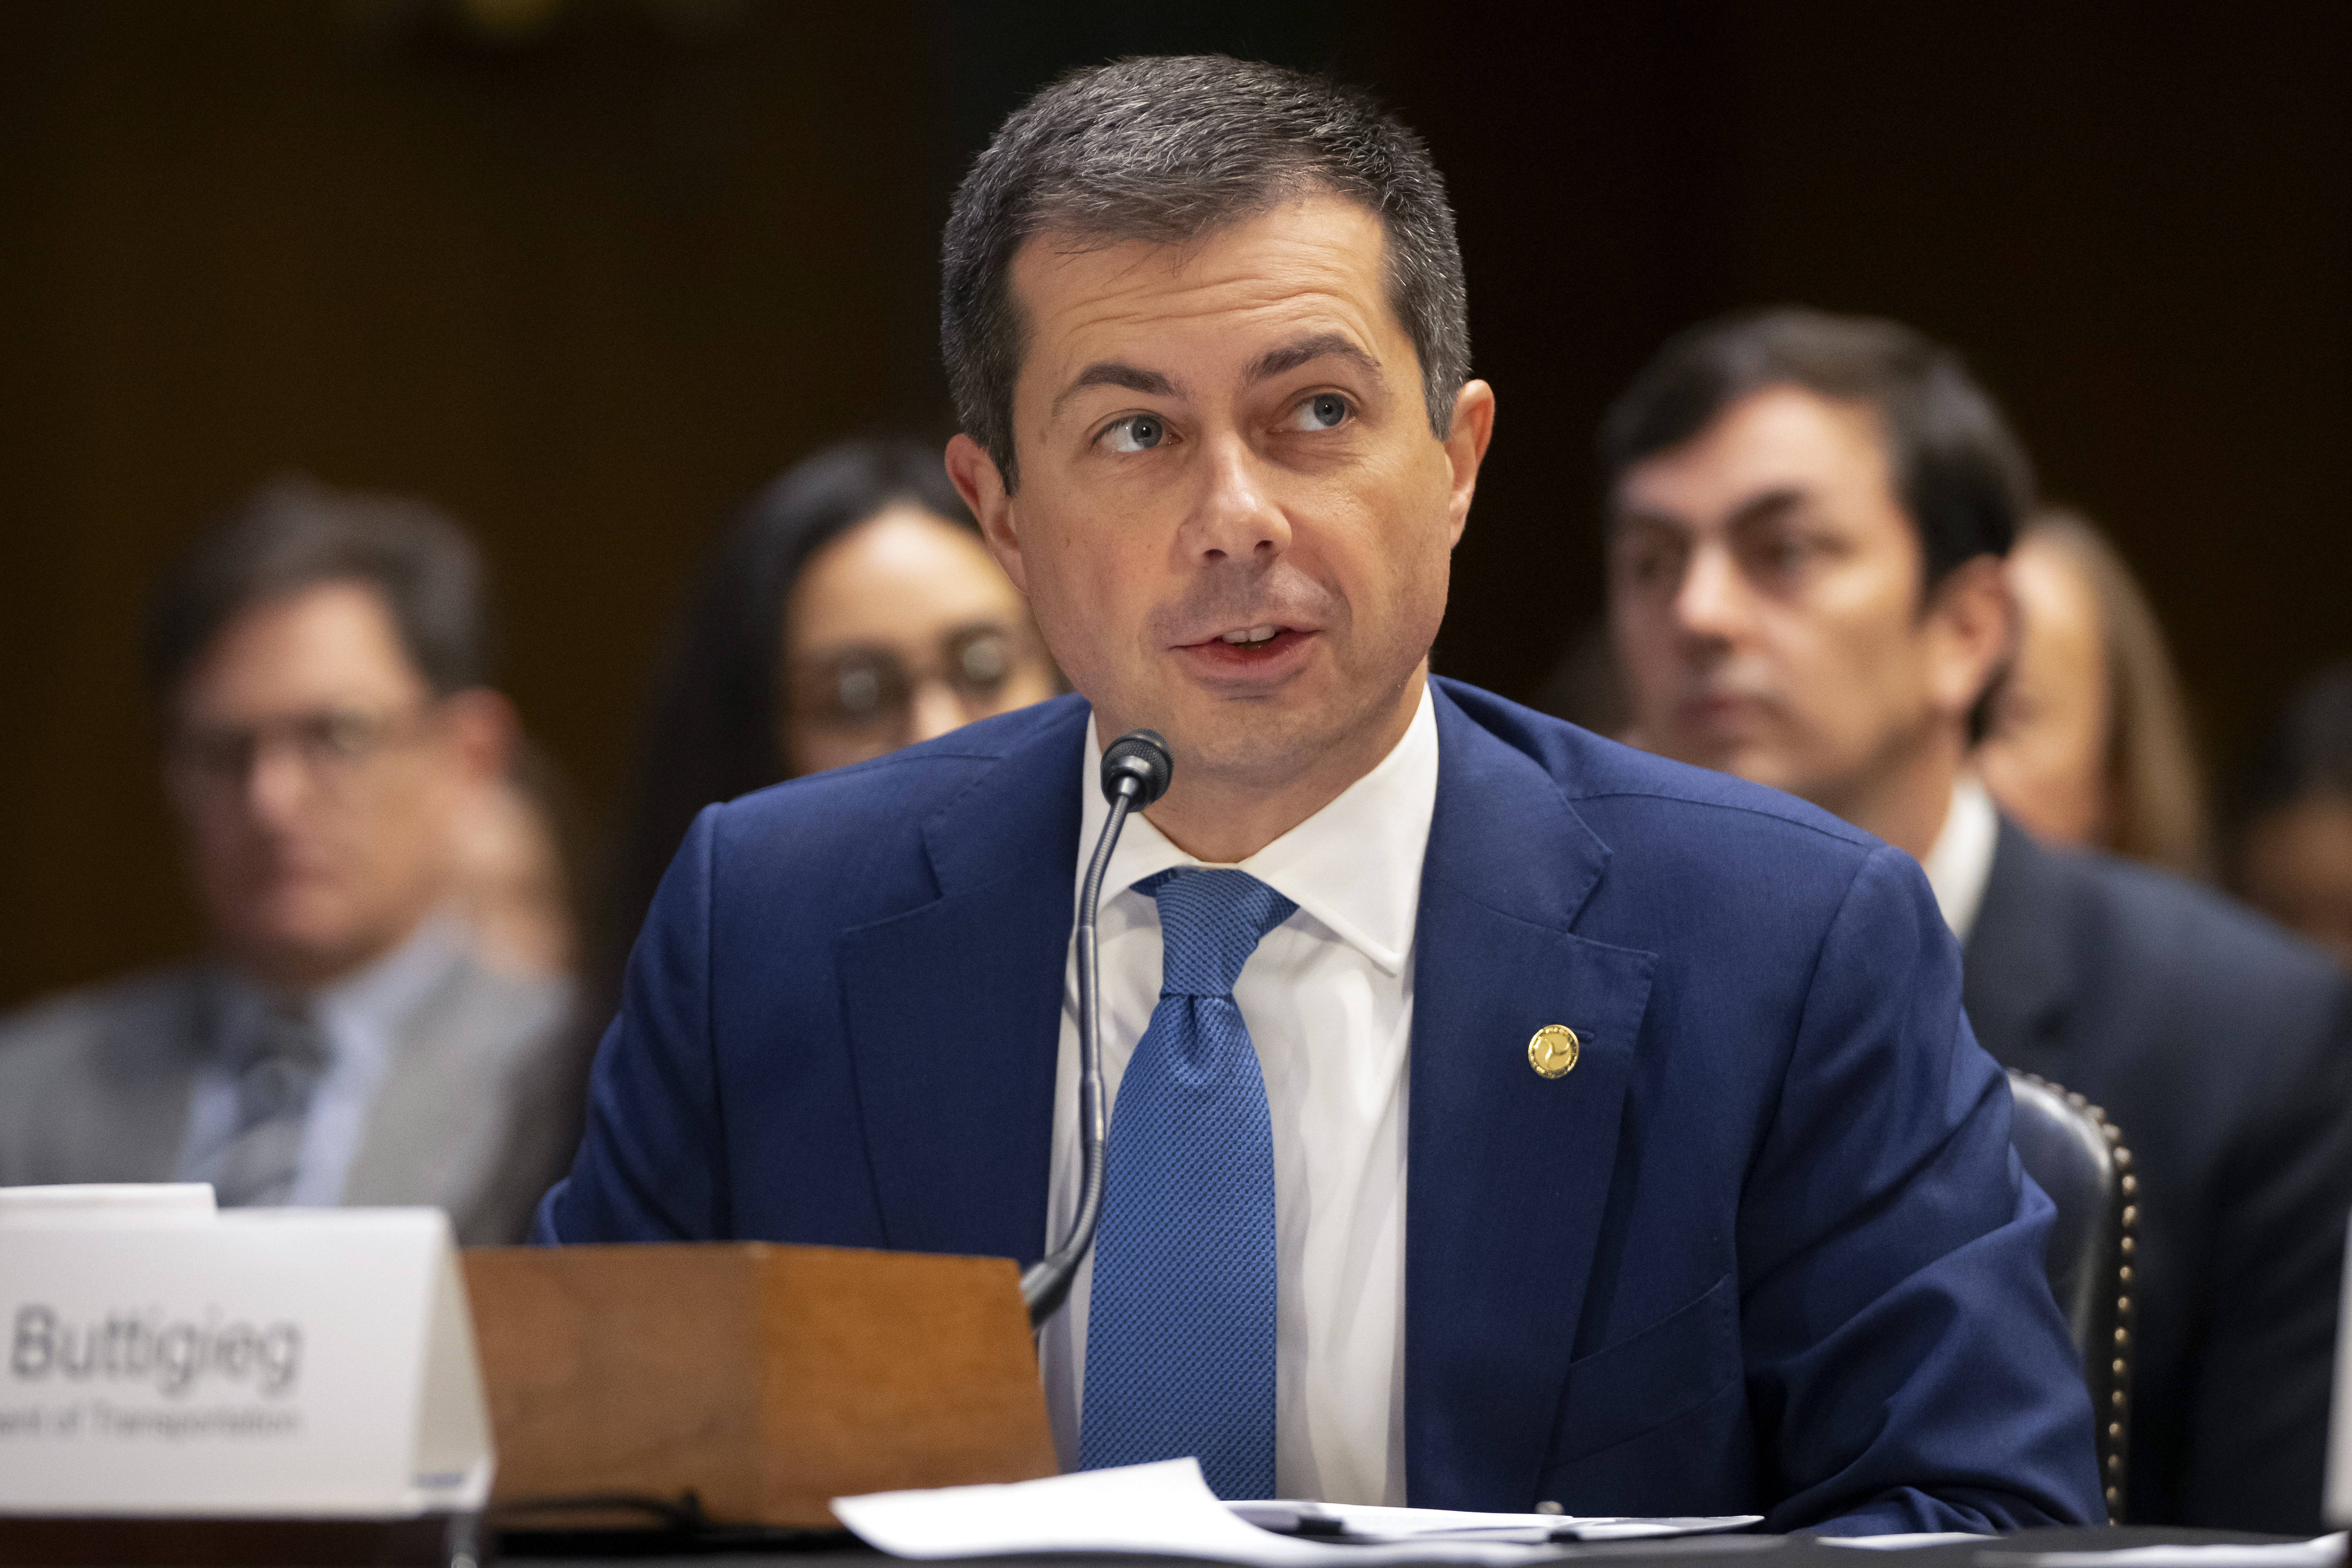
(2076,1155)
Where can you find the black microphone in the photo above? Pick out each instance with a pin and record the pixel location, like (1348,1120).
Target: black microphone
(1135,772)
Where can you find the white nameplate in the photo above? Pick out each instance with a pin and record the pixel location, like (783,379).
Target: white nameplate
(165,1359)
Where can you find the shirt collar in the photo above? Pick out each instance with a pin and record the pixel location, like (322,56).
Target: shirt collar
(381,995)
(365,1007)
(1355,865)
(1961,862)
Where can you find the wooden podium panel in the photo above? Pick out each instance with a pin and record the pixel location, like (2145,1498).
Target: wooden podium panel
(766,1379)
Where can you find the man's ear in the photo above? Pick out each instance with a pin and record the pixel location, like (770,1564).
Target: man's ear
(974,474)
(1973,626)
(485,727)
(1465,448)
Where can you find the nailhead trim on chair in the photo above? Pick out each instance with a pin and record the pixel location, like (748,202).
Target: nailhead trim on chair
(2112,1414)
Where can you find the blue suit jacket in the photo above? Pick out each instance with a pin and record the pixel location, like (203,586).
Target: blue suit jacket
(1764,1250)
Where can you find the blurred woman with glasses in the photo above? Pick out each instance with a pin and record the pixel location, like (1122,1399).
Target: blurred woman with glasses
(851,611)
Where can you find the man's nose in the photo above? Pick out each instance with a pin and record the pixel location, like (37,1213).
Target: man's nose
(1236,517)
(933,710)
(277,782)
(1711,603)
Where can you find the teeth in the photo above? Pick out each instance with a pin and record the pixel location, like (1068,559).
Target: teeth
(1255,634)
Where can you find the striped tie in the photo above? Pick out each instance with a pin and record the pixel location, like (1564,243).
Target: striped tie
(274,1084)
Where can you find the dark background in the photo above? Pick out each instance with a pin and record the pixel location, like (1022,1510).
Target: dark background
(588,273)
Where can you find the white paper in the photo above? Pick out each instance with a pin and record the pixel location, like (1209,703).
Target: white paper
(1162,1508)
(2325,1552)
(1167,1509)
(1905,1540)
(1355,1523)
(298,1362)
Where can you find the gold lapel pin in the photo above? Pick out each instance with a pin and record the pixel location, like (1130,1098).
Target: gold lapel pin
(1553,1050)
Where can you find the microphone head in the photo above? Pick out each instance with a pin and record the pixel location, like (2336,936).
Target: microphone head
(1137,764)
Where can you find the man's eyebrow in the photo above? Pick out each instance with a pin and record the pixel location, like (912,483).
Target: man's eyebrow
(1322,346)
(1763,507)
(1769,505)
(1621,516)
(1116,373)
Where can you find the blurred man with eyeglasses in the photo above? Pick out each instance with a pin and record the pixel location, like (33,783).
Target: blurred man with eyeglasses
(317,665)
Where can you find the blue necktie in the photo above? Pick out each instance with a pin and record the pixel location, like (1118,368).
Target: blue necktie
(1180,1324)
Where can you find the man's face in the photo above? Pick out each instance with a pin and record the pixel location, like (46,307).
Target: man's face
(1233,523)
(1764,595)
(318,782)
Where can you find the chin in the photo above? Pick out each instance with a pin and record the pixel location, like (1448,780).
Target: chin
(1682,745)
(1271,741)
(300,949)
(1740,754)
(1259,742)
(1742,759)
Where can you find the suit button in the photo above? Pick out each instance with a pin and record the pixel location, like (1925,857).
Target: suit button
(1553,1050)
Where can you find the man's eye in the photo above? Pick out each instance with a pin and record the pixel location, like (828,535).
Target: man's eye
(341,733)
(1646,562)
(1136,432)
(1324,411)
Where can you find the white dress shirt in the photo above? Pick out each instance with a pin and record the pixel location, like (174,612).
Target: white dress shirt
(1327,998)
(360,1017)
(1961,862)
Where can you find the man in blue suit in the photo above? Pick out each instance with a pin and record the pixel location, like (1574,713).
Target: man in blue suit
(1501,1116)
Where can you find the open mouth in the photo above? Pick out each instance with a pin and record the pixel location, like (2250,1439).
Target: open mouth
(1251,651)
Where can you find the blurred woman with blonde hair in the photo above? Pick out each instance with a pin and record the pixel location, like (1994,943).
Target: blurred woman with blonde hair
(2088,740)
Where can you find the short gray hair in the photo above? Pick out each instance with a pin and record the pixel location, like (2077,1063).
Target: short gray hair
(1165,149)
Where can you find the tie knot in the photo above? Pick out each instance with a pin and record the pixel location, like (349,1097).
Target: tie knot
(1210,922)
(289,1039)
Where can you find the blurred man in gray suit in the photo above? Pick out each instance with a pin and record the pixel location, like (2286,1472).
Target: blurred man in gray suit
(317,666)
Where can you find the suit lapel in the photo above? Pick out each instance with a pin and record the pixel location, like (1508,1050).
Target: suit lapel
(412,1149)
(954,1011)
(119,1111)
(2013,984)
(466,1043)
(1508,1172)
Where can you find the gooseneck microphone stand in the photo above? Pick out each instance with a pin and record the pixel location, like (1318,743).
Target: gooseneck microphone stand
(1135,772)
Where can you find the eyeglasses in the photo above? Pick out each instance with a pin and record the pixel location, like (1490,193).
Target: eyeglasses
(334,745)
(871,689)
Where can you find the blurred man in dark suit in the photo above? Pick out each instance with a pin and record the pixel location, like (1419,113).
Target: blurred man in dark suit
(317,665)
(1808,515)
